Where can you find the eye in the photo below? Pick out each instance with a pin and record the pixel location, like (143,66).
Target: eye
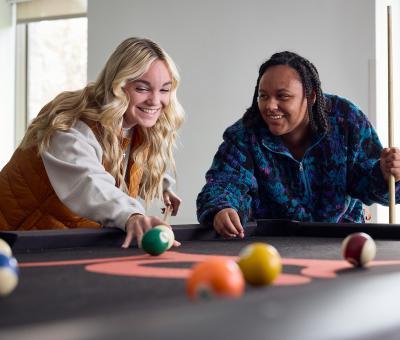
(283,96)
(262,96)
(141,89)
(165,90)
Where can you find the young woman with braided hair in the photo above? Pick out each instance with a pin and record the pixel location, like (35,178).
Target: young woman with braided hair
(90,154)
(298,154)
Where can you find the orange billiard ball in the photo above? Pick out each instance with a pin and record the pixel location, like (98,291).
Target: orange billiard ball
(216,277)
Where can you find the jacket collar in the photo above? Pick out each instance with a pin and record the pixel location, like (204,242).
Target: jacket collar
(275,143)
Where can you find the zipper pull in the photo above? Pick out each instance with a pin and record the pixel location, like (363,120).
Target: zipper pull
(301,166)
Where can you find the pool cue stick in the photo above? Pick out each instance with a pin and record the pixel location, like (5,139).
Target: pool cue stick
(167,213)
(391,181)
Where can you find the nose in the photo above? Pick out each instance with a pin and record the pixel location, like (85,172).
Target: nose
(271,104)
(154,98)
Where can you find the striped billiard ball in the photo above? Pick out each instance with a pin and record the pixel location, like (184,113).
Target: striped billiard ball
(155,241)
(169,232)
(8,274)
(5,248)
(358,249)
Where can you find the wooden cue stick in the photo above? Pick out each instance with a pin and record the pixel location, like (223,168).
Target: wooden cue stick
(391,181)
(167,213)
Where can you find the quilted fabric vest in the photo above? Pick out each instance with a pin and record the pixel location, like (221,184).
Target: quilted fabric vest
(28,200)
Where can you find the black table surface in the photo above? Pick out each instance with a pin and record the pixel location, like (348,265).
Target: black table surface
(26,241)
(68,302)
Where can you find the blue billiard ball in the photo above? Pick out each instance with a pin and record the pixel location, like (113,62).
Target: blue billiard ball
(8,274)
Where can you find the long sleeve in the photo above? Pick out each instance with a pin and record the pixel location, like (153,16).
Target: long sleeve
(365,179)
(73,164)
(229,182)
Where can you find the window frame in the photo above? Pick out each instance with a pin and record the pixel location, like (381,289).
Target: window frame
(22,73)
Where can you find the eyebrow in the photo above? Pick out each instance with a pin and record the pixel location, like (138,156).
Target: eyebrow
(278,90)
(148,84)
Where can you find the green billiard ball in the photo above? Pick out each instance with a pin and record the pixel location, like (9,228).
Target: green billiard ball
(170,233)
(155,241)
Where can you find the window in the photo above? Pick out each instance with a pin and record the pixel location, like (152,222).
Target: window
(51,58)
(56,60)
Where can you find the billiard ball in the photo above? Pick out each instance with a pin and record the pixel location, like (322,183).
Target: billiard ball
(170,233)
(260,263)
(155,241)
(8,274)
(358,249)
(215,277)
(5,248)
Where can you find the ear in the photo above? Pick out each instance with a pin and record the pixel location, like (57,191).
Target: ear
(313,97)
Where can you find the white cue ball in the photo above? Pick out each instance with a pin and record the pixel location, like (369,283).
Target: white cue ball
(169,232)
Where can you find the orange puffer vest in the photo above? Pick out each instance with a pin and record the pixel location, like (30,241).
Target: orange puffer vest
(28,201)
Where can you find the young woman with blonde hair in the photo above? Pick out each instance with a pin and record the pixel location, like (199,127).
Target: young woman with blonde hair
(89,154)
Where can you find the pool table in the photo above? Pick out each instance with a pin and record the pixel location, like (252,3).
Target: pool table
(79,284)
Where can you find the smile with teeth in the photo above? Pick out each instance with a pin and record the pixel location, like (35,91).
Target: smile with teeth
(147,110)
(275,116)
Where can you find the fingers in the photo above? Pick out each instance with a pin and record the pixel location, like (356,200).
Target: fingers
(172,200)
(227,223)
(167,201)
(128,239)
(390,163)
(130,230)
(139,234)
(390,155)
(136,226)
(237,224)
(176,243)
(224,227)
(175,206)
(367,214)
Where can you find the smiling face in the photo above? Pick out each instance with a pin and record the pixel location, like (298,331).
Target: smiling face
(148,96)
(283,104)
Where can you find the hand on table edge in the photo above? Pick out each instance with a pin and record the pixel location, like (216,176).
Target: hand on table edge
(227,223)
(137,225)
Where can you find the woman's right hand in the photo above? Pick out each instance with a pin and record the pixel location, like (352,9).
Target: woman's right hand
(227,223)
(137,225)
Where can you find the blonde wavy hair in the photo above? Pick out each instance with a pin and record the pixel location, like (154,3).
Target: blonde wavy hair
(105,101)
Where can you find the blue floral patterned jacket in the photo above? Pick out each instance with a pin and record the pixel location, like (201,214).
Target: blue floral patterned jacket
(254,173)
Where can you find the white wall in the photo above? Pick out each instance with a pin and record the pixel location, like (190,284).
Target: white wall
(7,87)
(218,46)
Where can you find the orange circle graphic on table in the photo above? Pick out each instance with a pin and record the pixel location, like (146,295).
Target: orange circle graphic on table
(151,267)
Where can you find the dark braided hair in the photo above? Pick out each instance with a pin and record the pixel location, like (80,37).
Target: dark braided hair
(311,84)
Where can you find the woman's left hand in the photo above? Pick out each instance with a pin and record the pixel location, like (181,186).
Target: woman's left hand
(171,200)
(390,163)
